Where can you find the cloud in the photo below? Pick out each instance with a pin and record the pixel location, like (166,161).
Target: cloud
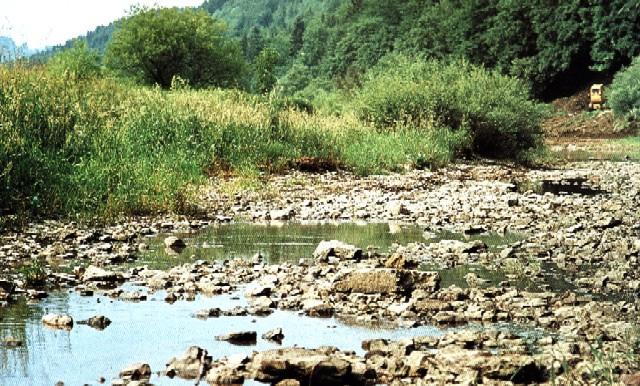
(41,23)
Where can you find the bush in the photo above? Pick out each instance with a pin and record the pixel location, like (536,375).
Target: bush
(496,111)
(77,62)
(624,93)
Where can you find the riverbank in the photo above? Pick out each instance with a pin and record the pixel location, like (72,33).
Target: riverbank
(554,296)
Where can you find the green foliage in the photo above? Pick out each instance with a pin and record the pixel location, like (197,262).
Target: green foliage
(97,147)
(624,93)
(33,274)
(496,111)
(265,70)
(154,45)
(77,62)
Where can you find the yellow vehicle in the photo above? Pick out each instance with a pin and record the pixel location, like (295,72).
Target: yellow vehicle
(596,97)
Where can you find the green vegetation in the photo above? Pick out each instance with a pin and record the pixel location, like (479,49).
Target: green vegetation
(78,62)
(493,111)
(92,145)
(153,46)
(624,95)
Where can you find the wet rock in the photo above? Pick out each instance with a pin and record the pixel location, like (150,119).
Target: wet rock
(174,243)
(208,313)
(222,375)
(275,335)
(258,290)
(193,364)
(315,367)
(58,321)
(241,338)
(136,372)
(98,322)
(338,249)
(93,273)
(317,308)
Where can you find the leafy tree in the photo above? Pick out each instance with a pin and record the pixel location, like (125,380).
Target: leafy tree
(297,36)
(77,62)
(254,44)
(624,95)
(265,68)
(154,45)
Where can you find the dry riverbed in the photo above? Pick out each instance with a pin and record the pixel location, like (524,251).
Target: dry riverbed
(494,275)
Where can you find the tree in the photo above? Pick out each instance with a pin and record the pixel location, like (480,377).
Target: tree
(77,62)
(154,45)
(297,36)
(265,70)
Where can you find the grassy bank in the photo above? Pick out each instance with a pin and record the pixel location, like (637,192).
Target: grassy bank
(95,146)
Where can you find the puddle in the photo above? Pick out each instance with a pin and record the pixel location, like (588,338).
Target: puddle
(287,242)
(153,332)
(577,185)
(551,280)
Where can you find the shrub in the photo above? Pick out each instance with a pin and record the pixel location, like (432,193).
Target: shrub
(496,110)
(624,93)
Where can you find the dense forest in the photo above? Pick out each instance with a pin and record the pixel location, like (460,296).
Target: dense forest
(557,46)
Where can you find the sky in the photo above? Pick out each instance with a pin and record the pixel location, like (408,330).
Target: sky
(42,23)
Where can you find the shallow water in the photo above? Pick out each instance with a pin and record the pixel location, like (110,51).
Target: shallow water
(153,332)
(289,242)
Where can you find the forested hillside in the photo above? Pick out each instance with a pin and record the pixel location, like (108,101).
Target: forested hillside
(556,46)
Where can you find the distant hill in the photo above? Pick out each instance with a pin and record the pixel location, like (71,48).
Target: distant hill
(96,39)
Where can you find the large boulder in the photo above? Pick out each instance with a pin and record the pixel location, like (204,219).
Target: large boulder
(309,367)
(337,249)
(386,281)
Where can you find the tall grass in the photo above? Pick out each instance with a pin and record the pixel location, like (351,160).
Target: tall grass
(93,146)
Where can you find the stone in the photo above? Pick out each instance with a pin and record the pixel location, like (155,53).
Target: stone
(93,273)
(58,321)
(174,243)
(398,208)
(222,375)
(193,364)
(317,308)
(338,249)
(241,338)
(136,372)
(274,335)
(309,367)
(386,281)
(282,214)
(98,322)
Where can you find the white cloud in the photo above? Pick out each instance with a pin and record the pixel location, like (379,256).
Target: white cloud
(41,23)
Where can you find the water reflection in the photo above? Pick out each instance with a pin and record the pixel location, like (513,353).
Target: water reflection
(153,332)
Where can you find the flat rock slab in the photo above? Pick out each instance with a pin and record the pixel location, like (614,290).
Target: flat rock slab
(387,281)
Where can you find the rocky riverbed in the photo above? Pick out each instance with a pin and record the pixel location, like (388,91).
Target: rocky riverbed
(557,304)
